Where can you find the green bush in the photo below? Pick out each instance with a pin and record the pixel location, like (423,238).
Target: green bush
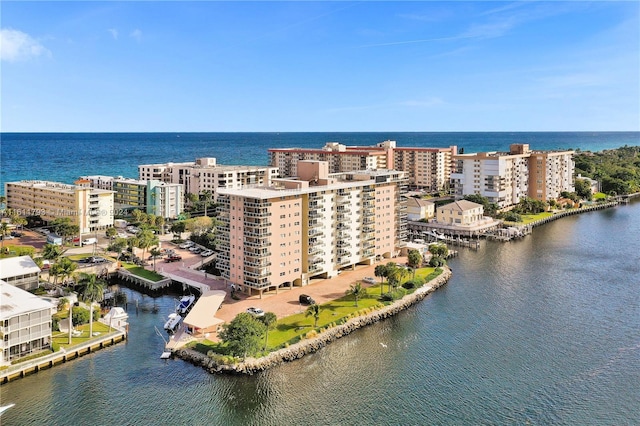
(437,261)
(79,315)
(55,324)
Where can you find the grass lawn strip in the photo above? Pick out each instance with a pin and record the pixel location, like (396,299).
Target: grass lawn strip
(141,272)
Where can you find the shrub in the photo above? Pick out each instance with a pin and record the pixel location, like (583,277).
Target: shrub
(437,261)
(311,334)
(79,315)
(55,324)
(409,285)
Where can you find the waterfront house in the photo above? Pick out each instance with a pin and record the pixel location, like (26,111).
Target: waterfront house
(21,272)
(417,209)
(202,317)
(25,323)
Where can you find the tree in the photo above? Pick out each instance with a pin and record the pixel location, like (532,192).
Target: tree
(381,272)
(117,246)
(314,311)
(4,226)
(206,197)
(390,268)
(583,189)
(137,215)
(19,221)
(64,227)
(397,275)
(92,291)
(243,334)
(177,228)
(199,225)
(111,232)
(52,251)
(160,224)
(269,319)
(155,252)
(357,291)
(66,268)
(146,238)
(414,259)
(439,250)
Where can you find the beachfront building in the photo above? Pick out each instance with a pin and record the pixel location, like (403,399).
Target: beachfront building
(426,168)
(206,175)
(89,208)
(418,208)
(150,196)
(25,323)
(507,177)
(311,226)
(21,272)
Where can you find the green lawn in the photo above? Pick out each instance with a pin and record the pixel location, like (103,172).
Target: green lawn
(528,218)
(141,272)
(62,339)
(290,329)
(77,257)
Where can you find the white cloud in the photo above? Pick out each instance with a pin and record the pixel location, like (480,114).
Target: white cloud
(18,46)
(136,34)
(114,33)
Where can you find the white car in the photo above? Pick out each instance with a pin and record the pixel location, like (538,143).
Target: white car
(369,280)
(206,253)
(255,311)
(186,245)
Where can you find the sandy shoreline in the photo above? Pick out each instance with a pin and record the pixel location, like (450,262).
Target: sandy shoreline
(307,346)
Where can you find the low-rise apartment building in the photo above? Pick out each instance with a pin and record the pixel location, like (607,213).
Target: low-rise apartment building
(507,177)
(21,272)
(25,323)
(310,226)
(206,175)
(427,168)
(89,208)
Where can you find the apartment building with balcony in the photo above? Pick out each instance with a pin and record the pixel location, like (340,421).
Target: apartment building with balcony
(311,226)
(427,168)
(89,208)
(25,323)
(205,174)
(21,272)
(507,177)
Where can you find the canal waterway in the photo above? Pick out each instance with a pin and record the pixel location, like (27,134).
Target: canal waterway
(543,330)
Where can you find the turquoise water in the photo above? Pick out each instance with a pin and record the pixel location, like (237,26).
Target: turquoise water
(541,331)
(64,157)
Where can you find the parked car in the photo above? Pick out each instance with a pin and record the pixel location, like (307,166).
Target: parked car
(369,280)
(173,258)
(97,259)
(305,299)
(89,241)
(255,311)
(195,249)
(206,253)
(16,234)
(186,245)
(85,260)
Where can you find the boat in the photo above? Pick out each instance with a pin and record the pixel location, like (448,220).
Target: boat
(5,408)
(185,304)
(173,322)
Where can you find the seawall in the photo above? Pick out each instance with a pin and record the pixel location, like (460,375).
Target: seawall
(307,346)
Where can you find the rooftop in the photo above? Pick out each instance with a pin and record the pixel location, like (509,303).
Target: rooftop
(15,301)
(15,266)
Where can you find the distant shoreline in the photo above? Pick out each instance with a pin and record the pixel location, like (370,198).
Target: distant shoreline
(304,347)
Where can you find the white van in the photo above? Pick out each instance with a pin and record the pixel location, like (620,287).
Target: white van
(89,241)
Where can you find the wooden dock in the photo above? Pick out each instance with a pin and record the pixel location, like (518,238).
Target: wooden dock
(32,366)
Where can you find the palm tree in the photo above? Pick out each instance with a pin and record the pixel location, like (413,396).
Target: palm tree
(51,252)
(92,291)
(66,268)
(4,227)
(206,197)
(381,272)
(357,291)
(269,319)
(155,252)
(414,259)
(146,239)
(313,310)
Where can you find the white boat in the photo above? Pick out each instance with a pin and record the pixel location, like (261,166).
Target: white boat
(185,304)
(173,322)
(5,408)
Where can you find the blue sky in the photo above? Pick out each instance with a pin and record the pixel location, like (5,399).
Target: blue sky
(320,66)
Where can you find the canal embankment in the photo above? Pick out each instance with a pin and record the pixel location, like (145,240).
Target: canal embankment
(311,345)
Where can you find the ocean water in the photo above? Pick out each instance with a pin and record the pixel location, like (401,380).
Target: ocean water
(63,157)
(540,331)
